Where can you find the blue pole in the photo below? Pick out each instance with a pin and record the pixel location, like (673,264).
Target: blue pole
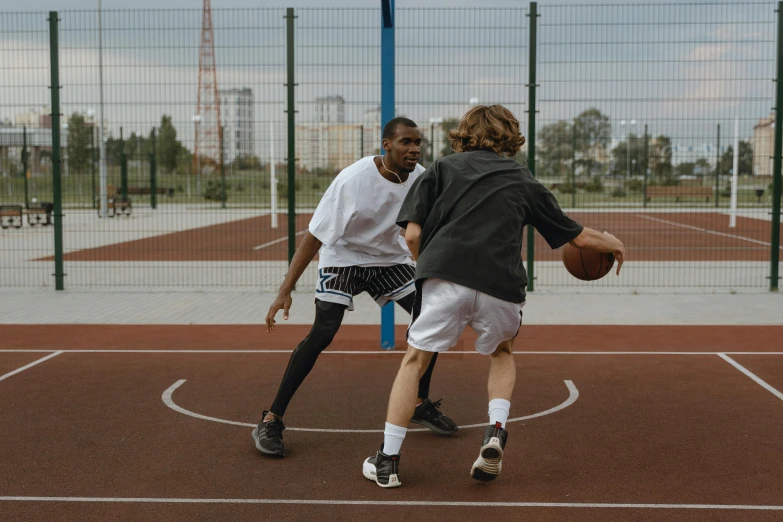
(387,113)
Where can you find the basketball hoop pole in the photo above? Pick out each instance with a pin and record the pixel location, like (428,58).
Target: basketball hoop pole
(387,114)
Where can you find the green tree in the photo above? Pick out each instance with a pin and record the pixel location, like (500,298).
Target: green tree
(554,148)
(593,133)
(745,161)
(686,168)
(79,143)
(169,149)
(447,125)
(622,158)
(660,159)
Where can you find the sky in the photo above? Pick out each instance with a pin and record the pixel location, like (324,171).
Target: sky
(681,69)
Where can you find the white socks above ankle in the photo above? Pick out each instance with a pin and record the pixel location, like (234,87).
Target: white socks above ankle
(498,412)
(392,439)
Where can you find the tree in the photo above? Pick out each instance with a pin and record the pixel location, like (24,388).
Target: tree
(686,168)
(447,125)
(593,133)
(169,150)
(636,157)
(79,143)
(555,148)
(660,159)
(745,162)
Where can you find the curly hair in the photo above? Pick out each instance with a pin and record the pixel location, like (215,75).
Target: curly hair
(490,127)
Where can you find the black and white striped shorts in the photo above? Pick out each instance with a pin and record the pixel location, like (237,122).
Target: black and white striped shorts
(384,283)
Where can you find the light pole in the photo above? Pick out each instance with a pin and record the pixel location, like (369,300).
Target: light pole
(433,121)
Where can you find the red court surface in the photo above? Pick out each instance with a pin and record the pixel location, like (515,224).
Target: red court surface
(619,423)
(649,236)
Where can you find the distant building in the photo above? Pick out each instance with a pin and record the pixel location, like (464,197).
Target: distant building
(238,120)
(371,123)
(41,117)
(327,147)
(763,145)
(330,109)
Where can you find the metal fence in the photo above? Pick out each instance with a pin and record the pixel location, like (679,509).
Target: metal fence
(636,109)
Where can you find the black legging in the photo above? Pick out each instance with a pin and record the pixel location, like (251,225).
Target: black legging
(328,317)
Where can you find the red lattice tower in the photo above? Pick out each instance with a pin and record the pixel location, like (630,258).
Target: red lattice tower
(207,120)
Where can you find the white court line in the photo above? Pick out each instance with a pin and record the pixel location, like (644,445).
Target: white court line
(259,247)
(752,375)
(394,352)
(23,368)
(573,395)
(422,503)
(715,232)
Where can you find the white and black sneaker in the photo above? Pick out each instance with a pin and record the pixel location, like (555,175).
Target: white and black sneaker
(268,437)
(383,469)
(487,466)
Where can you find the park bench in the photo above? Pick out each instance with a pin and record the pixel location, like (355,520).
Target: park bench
(39,213)
(115,204)
(11,216)
(678,192)
(145,191)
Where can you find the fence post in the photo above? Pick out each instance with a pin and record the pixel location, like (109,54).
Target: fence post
(531,135)
(24,167)
(776,177)
(645,167)
(92,167)
(54,54)
(222,171)
(387,113)
(717,170)
(153,173)
(573,166)
(291,133)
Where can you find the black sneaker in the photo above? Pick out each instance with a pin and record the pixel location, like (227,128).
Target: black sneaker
(383,469)
(428,414)
(269,436)
(487,466)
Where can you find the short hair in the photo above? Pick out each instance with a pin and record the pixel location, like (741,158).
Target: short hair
(490,127)
(391,127)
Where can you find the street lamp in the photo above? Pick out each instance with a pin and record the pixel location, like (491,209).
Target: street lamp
(433,121)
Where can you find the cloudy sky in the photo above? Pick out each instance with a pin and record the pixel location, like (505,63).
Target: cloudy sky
(681,69)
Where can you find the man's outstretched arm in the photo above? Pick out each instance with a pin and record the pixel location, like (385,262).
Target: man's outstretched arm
(306,252)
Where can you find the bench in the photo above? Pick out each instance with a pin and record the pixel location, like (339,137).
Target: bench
(117,207)
(678,192)
(10,216)
(144,191)
(39,213)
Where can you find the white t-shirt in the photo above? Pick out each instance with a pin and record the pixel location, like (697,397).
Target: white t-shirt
(356,218)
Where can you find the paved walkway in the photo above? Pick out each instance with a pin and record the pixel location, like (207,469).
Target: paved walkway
(153,306)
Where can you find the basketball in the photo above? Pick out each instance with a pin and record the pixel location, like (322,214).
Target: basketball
(586,265)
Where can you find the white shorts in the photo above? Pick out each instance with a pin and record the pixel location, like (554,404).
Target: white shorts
(443,309)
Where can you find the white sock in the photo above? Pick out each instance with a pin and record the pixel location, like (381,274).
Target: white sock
(498,411)
(392,439)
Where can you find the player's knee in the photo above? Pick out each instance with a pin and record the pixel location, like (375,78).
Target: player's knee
(417,360)
(328,318)
(504,348)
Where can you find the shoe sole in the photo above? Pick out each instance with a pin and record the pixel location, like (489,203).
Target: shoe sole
(487,467)
(369,472)
(434,428)
(278,454)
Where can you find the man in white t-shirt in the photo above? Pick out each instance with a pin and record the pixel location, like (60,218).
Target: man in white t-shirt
(361,250)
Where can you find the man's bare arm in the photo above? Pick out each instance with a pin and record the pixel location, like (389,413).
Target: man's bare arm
(592,240)
(307,250)
(413,239)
